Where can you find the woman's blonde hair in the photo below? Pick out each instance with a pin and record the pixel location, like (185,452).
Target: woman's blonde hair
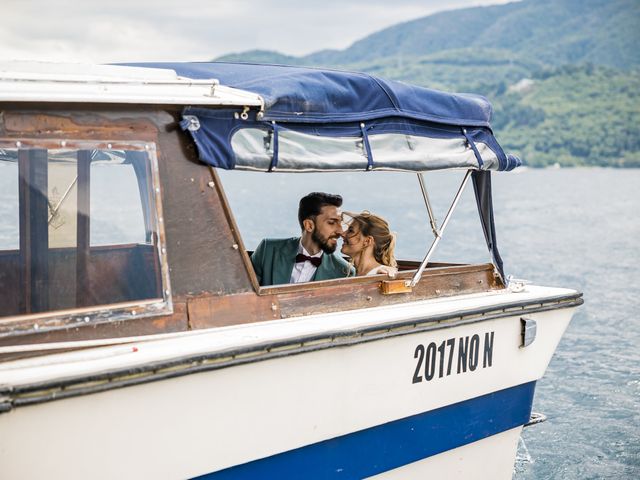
(384,239)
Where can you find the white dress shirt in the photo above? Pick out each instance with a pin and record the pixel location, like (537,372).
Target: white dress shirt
(304,271)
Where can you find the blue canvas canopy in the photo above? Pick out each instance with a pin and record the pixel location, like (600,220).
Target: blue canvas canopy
(328,120)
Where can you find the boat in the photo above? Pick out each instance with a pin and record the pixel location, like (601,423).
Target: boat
(135,339)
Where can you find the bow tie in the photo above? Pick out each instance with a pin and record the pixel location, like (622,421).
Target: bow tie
(315,261)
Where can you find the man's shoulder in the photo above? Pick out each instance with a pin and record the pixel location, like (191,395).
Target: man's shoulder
(279,242)
(270,245)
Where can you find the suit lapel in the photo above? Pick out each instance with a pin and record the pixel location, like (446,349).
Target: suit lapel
(327,269)
(284,260)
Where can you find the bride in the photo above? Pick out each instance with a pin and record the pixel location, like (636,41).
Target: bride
(370,244)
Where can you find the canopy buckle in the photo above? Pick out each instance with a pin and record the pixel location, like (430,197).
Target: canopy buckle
(245,113)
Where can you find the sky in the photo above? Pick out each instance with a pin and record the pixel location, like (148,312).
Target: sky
(195,30)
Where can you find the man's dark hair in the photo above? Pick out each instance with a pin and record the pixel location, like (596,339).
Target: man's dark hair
(311,204)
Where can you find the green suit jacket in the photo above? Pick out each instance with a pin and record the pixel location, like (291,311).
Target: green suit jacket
(274,259)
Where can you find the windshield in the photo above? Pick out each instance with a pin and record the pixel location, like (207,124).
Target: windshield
(265,206)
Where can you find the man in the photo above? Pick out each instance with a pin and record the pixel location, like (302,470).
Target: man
(308,257)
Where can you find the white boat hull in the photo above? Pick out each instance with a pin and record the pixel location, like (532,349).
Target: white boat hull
(351,410)
(491,457)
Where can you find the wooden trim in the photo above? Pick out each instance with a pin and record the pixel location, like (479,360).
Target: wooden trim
(320,297)
(112,328)
(217,311)
(431,271)
(365,292)
(69,318)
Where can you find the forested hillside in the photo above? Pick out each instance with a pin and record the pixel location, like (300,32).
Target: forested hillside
(563,76)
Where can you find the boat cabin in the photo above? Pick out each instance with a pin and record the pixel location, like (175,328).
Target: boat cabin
(115,222)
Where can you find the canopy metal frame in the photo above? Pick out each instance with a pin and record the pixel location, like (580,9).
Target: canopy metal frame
(437,232)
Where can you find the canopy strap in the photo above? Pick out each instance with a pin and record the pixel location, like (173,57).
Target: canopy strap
(274,159)
(473,147)
(438,234)
(367,147)
(482,188)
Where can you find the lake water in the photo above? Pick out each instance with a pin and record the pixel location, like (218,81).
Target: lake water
(577,228)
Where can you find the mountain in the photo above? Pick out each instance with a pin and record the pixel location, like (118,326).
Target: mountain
(602,32)
(563,75)
(261,56)
(572,115)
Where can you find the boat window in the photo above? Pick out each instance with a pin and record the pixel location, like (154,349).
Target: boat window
(412,151)
(298,151)
(265,205)
(115,219)
(8,201)
(254,149)
(81,229)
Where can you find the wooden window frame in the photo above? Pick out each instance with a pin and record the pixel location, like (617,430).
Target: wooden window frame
(101,313)
(477,277)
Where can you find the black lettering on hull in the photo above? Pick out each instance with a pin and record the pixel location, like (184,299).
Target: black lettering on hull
(439,358)
(487,358)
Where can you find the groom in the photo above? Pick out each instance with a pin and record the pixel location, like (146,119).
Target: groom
(311,256)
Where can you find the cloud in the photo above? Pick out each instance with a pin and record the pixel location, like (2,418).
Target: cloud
(137,30)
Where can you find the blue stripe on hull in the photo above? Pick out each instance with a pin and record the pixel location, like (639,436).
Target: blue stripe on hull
(394,444)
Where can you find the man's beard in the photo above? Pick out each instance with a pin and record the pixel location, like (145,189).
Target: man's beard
(323,243)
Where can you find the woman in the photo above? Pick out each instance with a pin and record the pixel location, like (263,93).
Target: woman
(370,244)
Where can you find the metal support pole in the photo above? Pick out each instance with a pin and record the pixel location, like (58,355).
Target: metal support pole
(432,218)
(416,278)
